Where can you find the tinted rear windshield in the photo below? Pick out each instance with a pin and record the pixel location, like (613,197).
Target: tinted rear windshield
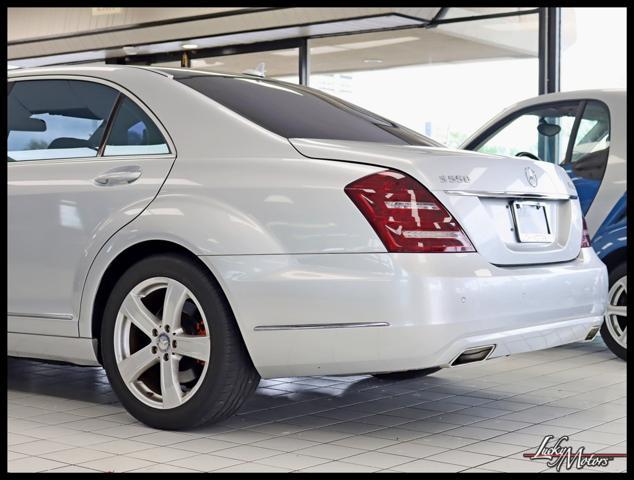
(294,111)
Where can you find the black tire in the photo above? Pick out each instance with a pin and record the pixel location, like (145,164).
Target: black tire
(408,374)
(615,274)
(230,377)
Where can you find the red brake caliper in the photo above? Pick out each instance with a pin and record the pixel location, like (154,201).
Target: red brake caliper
(199,329)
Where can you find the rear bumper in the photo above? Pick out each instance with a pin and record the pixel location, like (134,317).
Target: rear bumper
(436,305)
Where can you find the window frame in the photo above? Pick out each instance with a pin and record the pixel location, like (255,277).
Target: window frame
(122,93)
(575,129)
(109,122)
(507,120)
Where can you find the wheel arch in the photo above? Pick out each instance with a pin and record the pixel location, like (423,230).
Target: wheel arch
(615,258)
(122,262)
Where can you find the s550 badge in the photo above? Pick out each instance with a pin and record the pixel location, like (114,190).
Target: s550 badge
(454,178)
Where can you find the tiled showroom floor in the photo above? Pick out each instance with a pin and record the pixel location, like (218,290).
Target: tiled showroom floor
(472,418)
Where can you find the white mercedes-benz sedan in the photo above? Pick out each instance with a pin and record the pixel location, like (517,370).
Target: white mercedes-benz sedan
(193,232)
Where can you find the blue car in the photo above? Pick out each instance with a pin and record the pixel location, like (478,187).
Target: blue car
(585,133)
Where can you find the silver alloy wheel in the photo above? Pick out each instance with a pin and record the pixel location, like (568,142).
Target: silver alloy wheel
(616,314)
(162,342)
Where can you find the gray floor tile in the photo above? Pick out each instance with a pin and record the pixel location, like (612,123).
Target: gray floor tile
(480,418)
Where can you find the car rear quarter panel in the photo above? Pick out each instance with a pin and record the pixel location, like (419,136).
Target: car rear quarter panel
(266,206)
(234,188)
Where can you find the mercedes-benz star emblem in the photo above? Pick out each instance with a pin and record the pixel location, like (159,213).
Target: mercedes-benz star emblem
(163,342)
(531,176)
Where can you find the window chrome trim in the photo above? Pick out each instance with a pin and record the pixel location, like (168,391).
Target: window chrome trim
(312,326)
(502,194)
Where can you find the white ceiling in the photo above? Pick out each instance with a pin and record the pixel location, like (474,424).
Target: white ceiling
(32,23)
(35,32)
(42,36)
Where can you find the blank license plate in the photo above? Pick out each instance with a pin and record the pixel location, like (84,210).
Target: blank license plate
(531,222)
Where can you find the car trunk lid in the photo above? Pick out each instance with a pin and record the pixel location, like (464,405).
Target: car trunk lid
(500,202)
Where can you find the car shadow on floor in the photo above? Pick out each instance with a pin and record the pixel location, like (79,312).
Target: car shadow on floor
(316,401)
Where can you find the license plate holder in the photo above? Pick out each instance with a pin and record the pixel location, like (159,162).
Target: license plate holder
(531,222)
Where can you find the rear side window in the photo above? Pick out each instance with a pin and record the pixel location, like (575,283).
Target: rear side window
(50,119)
(134,133)
(292,111)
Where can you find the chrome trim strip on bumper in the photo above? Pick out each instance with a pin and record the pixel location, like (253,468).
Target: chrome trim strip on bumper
(501,194)
(55,316)
(310,326)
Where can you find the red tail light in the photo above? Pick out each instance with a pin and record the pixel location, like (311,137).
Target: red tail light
(585,239)
(406,216)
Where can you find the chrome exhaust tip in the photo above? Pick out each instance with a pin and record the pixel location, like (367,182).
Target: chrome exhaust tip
(474,354)
(592,333)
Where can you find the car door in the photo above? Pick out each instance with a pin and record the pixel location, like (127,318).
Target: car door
(84,159)
(574,134)
(588,151)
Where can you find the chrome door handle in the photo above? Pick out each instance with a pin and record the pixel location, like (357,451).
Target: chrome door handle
(118,176)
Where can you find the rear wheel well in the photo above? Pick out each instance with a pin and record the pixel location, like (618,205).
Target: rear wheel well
(125,260)
(615,258)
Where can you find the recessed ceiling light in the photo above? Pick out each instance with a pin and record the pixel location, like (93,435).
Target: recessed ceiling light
(372,60)
(313,51)
(205,63)
(189,46)
(377,43)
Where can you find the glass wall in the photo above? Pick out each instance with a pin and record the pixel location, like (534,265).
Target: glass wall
(444,82)
(448,80)
(594,48)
